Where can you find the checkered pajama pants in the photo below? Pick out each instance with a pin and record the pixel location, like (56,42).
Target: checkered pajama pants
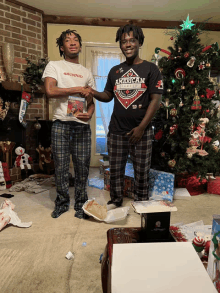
(140,154)
(71,138)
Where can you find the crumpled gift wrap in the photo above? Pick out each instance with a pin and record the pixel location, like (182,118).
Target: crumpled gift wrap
(8,216)
(98,211)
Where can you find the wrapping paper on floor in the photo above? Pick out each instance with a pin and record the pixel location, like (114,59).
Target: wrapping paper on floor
(8,216)
(99,212)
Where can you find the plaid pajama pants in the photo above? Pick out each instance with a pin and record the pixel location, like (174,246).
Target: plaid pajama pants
(140,154)
(71,138)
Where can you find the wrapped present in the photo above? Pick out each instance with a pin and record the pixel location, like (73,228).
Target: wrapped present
(161,185)
(213,186)
(192,183)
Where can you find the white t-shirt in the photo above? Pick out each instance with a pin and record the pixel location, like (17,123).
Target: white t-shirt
(67,74)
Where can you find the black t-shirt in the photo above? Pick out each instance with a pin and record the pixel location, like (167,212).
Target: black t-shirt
(131,86)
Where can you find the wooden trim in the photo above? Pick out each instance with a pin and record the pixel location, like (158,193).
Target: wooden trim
(25,5)
(120,22)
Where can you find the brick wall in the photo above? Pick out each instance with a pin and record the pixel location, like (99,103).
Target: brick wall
(22,26)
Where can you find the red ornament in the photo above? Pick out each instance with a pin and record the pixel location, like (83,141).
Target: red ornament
(202,96)
(207,111)
(180,73)
(171,38)
(192,81)
(209,93)
(206,48)
(159,134)
(186,55)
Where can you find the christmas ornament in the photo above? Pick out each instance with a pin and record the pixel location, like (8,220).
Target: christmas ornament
(215,148)
(208,65)
(167,105)
(189,155)
(207,111)
(206,48)
(169,90)
(159,134)
(216,143)
(180,49)
(171,163)
(180,73)
(173,129)
(201,65)
(157,50)
(4,112)
(209,93)
(25,100)
(186,55)
(181,103)
(183,87)
(173,112)
(192,81)
(187,24)
(171,38)
(198,243)
(191,61)
(162,154)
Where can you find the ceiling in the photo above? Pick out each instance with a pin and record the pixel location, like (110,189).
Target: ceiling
(167,10)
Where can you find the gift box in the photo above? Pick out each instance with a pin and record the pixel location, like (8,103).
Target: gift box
(161,185)
(193,184)
(213,186)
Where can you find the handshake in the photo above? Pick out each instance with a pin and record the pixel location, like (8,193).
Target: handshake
(87,92)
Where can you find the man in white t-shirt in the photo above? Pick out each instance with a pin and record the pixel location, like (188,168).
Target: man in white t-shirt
(65,83)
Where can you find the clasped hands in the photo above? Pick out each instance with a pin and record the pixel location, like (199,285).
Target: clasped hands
(87,92)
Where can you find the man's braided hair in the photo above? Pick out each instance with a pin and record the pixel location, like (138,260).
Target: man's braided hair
(62,37)
(137,33)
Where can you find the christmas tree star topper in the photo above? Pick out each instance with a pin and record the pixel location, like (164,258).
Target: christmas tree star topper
(187,24)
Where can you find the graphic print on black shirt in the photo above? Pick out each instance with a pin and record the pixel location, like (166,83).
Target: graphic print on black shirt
(132,86)
(129,88)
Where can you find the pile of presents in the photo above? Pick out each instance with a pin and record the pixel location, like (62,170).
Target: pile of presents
(161,184)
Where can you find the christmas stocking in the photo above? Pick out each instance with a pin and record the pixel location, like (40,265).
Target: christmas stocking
(25,100)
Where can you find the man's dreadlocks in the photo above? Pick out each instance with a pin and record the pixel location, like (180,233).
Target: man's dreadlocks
(137,32)
(63,36)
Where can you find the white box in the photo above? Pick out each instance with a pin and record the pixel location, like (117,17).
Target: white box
(168,267)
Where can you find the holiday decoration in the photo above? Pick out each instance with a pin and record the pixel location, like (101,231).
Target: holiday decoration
(187,24)
(23,160)
(192,81)
(180,73)
(191,62)
(199,245)
(186,138)
(171,163)
(186,55)
(157,50)
(25,100)
(209,93)
(3,112)
(196,102)
(173,112)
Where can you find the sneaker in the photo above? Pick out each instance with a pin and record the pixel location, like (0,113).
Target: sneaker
(81,215)
(112,206)
(59,210)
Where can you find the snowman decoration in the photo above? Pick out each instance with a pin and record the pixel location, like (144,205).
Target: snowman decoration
(23,160)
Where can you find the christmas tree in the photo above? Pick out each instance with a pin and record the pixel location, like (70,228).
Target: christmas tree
(187,128)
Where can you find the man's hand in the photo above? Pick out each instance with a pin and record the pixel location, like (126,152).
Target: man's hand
(84,116)
(87,92)
(135,134)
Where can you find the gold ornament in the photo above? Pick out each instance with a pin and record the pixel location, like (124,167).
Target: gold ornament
(189,155)
(215,148)
(208,65)
(171,163)
(173,112)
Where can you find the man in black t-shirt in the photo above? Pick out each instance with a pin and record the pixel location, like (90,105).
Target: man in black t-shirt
(136,86)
